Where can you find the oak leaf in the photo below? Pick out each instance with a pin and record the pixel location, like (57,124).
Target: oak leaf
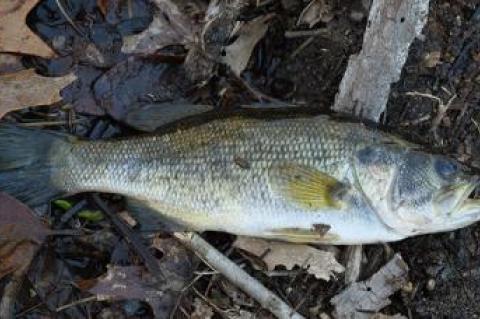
(15,35)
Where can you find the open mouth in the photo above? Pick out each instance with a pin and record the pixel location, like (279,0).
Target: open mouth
(467,205)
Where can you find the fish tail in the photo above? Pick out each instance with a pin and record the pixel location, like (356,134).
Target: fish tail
(28,161)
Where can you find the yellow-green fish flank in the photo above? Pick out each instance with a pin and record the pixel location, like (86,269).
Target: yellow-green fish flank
(303,179)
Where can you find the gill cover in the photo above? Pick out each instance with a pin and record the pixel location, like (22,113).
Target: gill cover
(391,178)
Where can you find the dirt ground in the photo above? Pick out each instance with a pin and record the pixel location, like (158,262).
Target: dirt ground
(444,63)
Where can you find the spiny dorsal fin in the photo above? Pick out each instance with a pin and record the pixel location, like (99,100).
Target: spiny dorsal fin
(306,186)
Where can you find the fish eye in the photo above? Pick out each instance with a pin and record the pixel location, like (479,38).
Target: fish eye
(446,168)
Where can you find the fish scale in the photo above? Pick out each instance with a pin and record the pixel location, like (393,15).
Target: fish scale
(192,174)
(309,179)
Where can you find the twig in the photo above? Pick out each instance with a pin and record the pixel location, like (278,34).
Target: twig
(305,33)
(49,123)
(256,93)
(132,239)
(67,17)
(10,292)
(421,119)
(76,303)
(237,276)
(72,212)
(442,107)
(301,47)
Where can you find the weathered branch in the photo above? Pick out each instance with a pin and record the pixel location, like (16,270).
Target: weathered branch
(391,28)
(237,275)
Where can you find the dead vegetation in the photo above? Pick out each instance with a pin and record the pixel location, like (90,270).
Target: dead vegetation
(68,64)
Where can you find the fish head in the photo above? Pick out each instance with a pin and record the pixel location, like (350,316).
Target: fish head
(414,192)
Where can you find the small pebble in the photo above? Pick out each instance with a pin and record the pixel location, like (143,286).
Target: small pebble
(431,284)
(408,287)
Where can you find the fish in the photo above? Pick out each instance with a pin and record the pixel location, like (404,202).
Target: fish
(304,179)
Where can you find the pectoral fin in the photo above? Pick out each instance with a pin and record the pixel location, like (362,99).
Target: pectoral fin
(306,187)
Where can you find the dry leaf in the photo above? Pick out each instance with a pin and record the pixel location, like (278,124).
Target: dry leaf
(103,6)
(432,59)
(129,282)
(314,12)
(15,35)
(362,299)
(169,26)
(26,88)
(201,310)
(21,234)
(248,34)
(322,264)
(10,63)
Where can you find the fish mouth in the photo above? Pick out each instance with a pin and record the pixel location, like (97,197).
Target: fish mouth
(466,205)
(454,199)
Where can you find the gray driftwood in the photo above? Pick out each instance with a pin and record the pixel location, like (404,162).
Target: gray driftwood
(363,299)
(391,28)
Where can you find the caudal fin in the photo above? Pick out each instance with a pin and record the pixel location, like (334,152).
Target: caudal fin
(27,161)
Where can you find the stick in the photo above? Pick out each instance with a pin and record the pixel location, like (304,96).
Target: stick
(133,240)
(365,87)
(237,275)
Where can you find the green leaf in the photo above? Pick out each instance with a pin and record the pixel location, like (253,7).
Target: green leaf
(63,204)
(91,215)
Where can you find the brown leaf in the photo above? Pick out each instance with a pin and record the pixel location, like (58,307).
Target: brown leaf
(322,264)
(26,88)
(248,34)
(314,12)
(103,6)
(10,63)
(15,35)
(169,26)
(21,234)
(134,282)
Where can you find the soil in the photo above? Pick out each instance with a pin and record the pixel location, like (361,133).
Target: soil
(445,62)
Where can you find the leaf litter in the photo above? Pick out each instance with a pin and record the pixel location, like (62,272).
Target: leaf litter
(15,35)
(41,90)
(322,264)
(21,235)
(209,39)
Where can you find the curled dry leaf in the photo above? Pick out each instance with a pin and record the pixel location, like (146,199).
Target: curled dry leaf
(321,264)
(169,26)
(26,88)
(361,299)
(21,234)
(314,12)
(15,35)
(247,36)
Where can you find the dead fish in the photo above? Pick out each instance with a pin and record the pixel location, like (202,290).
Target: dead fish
(300,180)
